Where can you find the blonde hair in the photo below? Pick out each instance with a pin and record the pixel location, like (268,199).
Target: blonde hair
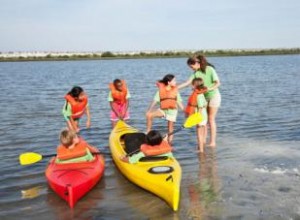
(67,137)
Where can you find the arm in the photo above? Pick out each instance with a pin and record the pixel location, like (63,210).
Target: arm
(67,113)
(128,96)
(180,105)
(124,159)
(179,102)
(215,86)
(88,114)
(132,159)
(73,124)
(126,109)
(215,80)
(112,108)
(185,84)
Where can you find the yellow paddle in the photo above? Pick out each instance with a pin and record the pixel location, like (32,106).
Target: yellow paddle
(32,157)
(191,121)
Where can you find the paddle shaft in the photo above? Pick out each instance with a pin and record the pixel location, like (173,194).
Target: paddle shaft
(175,131)
(185,125)
(53,155)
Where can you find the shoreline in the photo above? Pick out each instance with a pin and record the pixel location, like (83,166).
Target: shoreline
(69,56)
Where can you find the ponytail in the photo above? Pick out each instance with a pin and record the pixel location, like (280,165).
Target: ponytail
(167,78)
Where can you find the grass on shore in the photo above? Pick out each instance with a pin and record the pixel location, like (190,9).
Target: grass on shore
(167,54)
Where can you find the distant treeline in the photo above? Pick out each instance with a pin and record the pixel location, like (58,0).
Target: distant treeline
(159,54)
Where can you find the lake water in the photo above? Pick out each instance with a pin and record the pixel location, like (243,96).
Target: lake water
(254,173)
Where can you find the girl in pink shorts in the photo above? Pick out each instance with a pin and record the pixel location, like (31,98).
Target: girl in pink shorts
(118,98)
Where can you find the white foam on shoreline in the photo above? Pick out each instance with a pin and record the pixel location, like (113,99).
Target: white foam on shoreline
(277,170)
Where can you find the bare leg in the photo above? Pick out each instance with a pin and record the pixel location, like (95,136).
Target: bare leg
(170,129)
(150,115)
(70,127)
(200,137)
(212,112)
(205,135)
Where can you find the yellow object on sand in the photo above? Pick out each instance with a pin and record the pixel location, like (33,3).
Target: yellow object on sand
(161,177)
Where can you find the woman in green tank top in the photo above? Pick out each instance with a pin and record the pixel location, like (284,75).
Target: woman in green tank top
(205,70)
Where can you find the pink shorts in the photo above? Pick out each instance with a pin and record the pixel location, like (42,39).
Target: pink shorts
(120,108)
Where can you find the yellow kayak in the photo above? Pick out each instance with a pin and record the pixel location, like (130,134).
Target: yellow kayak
(159,175)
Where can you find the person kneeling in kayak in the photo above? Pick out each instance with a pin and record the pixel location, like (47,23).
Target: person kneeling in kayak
(155,146)
(73,149)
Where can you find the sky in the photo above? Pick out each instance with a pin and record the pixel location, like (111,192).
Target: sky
(142,25)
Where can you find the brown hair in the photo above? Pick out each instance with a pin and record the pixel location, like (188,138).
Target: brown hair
(66,137)
(201,60)
(199,83)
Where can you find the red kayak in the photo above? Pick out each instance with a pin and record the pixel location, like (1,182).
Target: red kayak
(71,181)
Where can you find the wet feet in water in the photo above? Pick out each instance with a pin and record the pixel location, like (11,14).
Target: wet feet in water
(198,150)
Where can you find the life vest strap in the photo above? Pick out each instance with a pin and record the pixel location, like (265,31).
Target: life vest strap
(189,104)
(168,98)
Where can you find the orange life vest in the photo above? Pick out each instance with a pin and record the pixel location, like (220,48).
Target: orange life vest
(192,101)
(168,98)
(64,153)
(119,96)
(163,148)
(78,108)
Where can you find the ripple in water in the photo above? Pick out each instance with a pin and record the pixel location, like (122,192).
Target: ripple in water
(253,173)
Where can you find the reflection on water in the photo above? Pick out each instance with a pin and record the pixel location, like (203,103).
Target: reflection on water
(32,192)
(204,190)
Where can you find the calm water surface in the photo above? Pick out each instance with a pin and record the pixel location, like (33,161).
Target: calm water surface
(254,173)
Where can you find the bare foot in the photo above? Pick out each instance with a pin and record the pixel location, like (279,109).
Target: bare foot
(198,150)
(212,145)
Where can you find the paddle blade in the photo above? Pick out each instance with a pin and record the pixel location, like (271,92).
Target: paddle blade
(29,158)
(193,120)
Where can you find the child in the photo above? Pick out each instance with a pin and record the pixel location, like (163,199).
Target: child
(198,103)
(169,98)
(76,105)
(154,146)
(118,98)
(72,148)
(205,70)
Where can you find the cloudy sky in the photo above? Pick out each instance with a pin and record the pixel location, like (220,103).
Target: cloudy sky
(126,25)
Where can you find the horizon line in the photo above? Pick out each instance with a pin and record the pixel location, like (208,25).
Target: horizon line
(149,51)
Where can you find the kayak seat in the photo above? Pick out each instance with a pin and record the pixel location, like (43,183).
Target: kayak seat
(152,158)
(133,142)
